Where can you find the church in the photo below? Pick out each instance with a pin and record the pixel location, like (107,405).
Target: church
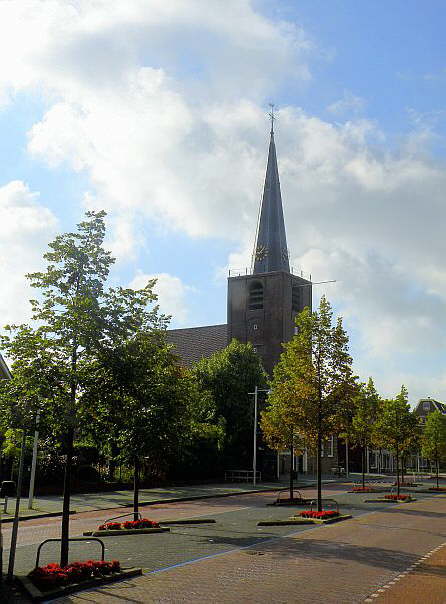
(263,303)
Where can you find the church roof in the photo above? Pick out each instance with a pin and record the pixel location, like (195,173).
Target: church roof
(194,343)
(270,249)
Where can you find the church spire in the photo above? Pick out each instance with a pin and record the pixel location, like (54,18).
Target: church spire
(270,250)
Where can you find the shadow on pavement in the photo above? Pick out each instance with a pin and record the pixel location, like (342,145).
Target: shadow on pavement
(330,551)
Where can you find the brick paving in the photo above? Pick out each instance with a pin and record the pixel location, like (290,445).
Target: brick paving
(427,583)
(339,563)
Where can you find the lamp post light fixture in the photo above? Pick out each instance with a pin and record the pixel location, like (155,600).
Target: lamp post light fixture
(254,456)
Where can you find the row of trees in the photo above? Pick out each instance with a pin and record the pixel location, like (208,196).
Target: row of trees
(315,395)
(95,365)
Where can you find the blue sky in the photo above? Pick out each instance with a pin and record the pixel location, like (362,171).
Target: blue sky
(156,112)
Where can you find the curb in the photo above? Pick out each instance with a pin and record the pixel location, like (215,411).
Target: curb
(36,516)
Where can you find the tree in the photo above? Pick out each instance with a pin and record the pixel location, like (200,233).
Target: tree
(280,433)
(313,381)
(147,396)
(366,409)
(433,439)
(230,375)
(396,428)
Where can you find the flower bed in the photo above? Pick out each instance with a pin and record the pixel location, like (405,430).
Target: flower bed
(406,484)
(52,575)
(397,497)
(438,489)
(362,490)
(129,524)
(319,515)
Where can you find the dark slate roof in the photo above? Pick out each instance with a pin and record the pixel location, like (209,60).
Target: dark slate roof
(4,371)
(194,343)
(270,250)
(436,404)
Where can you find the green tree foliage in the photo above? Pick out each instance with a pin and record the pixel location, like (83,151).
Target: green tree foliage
(313,381)
(83,329)
(366,405)
(433,439)
(396,428)
(280,433)
(230,375)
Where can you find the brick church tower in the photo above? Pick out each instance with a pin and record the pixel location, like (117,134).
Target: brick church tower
(262,306)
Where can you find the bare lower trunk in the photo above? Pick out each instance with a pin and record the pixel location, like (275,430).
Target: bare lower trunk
(135,489)
(291,473)
(65,528)
(319,472)
(363,466)
(397,475)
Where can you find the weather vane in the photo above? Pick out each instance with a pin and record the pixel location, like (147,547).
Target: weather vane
(272,116)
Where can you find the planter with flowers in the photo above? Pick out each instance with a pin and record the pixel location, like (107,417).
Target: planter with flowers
(130,527)
(51,581)
(308,517)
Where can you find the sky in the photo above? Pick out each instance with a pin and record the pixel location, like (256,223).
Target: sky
(156,111)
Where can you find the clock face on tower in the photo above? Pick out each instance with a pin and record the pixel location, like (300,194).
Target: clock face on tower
(261,252)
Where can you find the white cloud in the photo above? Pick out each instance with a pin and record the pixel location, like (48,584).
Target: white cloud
(25,228)
(172,294)
(349,104)
(161,106)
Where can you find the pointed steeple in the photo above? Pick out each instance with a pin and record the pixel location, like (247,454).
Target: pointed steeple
(270,249)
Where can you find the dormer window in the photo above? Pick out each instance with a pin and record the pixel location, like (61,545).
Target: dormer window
(255,296)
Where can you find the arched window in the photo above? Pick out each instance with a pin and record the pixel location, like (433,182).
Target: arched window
(255,296)
(296,298)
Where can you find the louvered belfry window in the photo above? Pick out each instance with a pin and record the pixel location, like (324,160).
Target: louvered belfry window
(296,298)
(255,296)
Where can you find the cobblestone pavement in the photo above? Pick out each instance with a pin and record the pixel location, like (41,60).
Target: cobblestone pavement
(339,563)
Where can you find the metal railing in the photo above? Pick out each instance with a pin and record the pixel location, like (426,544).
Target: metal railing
(71,539)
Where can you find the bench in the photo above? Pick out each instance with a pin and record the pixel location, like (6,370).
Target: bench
(338,471)
(241,475)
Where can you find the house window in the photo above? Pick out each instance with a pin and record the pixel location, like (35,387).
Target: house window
(255,296)
(329,446)
(426,406)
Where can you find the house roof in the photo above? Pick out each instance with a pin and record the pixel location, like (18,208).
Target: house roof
(194,343)
(4,370)
(436,404)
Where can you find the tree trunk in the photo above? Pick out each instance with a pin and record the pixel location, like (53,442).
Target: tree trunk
(318,470)
(438,472)
(65,529)
(402,470)
(363,466)
(291,473)
(135,489)
(397,475)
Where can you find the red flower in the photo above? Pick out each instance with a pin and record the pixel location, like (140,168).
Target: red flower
(321,515)
(52,575)
(110,526)
(144,523)
(397,497)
